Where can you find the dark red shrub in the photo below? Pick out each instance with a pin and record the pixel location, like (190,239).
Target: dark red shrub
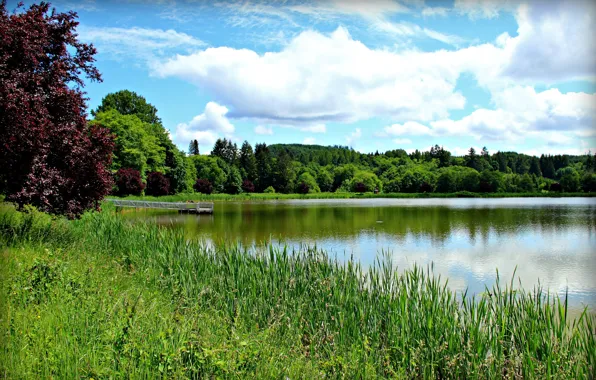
(303,188)
(203,186)
(49,156)
(426,187)
(360,187)
(556,187)
(128,182)
(248,186)
(157,184)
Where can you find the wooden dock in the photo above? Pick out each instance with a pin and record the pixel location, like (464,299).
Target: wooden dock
(188,207)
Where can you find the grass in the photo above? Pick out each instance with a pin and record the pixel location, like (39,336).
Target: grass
(99,297)
(182,197)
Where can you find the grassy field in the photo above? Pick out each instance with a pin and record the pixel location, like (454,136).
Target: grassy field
(182,197)
(101,298)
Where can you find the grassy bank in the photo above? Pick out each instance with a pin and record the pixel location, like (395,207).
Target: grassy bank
(99,297)
(182,197)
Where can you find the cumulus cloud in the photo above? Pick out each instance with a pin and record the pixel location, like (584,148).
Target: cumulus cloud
(521,113)
(320,78)
(206,127)
(555,41)
(262,130)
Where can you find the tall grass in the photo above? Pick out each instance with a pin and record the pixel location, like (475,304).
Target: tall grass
(273,312)
(182,197)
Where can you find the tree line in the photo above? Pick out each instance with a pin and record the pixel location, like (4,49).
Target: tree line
(146,161)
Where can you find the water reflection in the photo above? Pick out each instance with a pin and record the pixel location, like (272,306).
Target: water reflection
(467,239)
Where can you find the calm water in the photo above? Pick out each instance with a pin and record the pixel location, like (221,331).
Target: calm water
(550,239)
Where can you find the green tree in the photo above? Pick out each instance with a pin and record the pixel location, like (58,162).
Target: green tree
(370,181)
(248,162)
(284,174)
(310,181)
(569,179)
(446,182)
(136,147)
(264,167)
(325,180)
(193,148)
(129,103)
(233,181)
(535,167)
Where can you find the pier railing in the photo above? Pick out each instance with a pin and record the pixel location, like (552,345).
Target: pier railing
(198,207)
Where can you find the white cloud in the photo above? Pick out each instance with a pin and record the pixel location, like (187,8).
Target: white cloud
(262,130)
(402,141)
(355,135)
(478,9)
(142,42)
(309,141)
(408,29)
(318,78)
(206,127)
(434,11)
(554,41)
(410,128)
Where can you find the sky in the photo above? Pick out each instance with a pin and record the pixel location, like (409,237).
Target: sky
(375,75)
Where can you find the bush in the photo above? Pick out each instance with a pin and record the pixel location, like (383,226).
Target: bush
(157,184)
(203,186)
(359,187)
(303,188)
(248,186)
(128,182)
(269,190)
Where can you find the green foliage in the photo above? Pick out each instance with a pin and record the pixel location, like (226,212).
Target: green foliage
(136,147)
(269,190)
(128,102)
(234,181)
(569,179)
(138,301)
(310,181)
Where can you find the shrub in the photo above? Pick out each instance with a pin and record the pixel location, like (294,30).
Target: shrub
(248,186)
(426,187)
(359,187)
(303,188)
(555,187)
(269,190)
(203,186)
(157,184)
(128,182)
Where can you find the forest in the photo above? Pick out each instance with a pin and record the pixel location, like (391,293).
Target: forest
(146,161)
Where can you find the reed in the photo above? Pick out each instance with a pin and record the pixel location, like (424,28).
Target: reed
(102,297)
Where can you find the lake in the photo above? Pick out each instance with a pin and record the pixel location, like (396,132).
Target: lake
(548,239)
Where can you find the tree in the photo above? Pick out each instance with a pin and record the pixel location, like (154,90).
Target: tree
(193,148)
(226,150)
(472,160)
(284,174)
(569,179)
(310,182)
(248,186)
(128,182)
(135,146)
(446,182)
(234,181)
(49,156)
(203,186)
(248,162)
(535,167)
(129,103)
(264,170)
(157,184)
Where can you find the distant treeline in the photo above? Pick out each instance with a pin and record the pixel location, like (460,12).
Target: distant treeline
(146,160)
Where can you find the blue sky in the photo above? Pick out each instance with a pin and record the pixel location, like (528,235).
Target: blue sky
(375,75)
